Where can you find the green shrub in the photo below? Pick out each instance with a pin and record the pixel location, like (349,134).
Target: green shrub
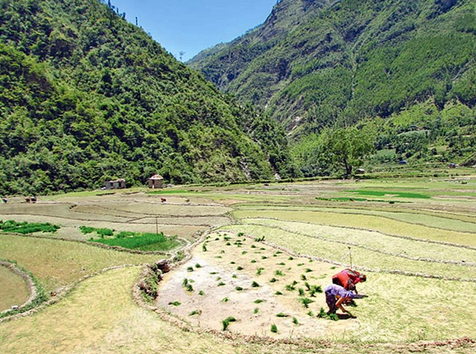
(256,311)
(273,280)
(226,322)
(274,328)
(279,273)
(143,242)
(322,313)
(194,312)
(189,269)
(239,268)
(305,301)
(258,272)
(198,266)
(238,288)
(27,228)
(259,301)
(221,284)
(255,285)
(201,293)
(281,314)
(301,292)
(290,287)
(315,289)
(295,321)
(204,248)
(175,303)
(225,299)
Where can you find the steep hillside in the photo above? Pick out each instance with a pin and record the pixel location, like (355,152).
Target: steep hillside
(86,96)
(358,59)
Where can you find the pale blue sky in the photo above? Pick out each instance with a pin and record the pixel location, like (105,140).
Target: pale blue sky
(194,25)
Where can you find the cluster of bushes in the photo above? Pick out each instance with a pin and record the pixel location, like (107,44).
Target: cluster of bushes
(132,240)
(27,228)
(85,96)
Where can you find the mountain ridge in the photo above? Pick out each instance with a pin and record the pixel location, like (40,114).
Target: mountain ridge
(351,62)
(86,96)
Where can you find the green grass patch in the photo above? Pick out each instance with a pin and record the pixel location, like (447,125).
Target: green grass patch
(101,232)
(27,228)
(141,242)
(391,193)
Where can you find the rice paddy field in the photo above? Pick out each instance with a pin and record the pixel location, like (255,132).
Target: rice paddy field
(256,260)
(13,291)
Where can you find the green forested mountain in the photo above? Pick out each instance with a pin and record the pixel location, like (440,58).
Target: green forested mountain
(408,68)
(86,96)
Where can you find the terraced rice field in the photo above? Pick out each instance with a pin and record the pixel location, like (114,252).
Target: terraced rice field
(398,307)
(59,263)
(418,252)
(13,289)
(369,222)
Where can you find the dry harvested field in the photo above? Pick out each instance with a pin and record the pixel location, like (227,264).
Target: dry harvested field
(13,289)
(264,247)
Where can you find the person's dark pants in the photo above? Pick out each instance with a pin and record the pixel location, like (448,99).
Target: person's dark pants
(331,302)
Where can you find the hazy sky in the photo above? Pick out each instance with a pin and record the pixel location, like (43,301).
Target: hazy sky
(193,25)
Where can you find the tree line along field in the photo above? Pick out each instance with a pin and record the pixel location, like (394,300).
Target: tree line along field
(418,253)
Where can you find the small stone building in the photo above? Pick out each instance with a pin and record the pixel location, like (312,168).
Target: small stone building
(116,184)
(156,181)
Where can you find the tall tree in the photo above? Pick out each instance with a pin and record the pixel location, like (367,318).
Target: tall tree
(347,147)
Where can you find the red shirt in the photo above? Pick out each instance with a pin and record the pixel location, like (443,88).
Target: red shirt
(353,275)
(348,278)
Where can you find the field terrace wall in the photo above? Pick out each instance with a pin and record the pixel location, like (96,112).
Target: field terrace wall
(366,269)
(422,259)
(32,287)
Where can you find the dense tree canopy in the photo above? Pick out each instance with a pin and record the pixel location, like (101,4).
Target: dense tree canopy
(315,64)
(86,96)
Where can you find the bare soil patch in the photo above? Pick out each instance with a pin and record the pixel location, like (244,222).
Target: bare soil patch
(241,279)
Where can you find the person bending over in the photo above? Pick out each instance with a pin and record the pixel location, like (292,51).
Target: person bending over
(348,278)
(336,295)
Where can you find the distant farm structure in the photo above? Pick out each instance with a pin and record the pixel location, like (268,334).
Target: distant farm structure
(156,181)
(115,184)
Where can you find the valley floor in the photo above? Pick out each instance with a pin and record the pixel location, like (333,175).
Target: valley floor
(418,250)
